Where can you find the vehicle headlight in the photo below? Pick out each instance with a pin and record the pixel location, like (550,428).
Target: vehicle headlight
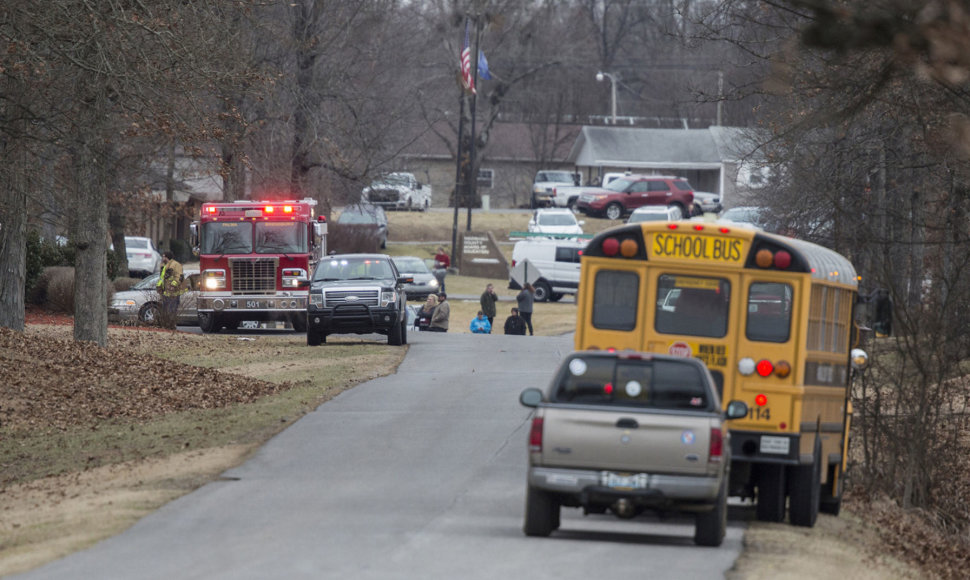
(433,283)
(317,300)
(122,302)
(388,297)
(214,279)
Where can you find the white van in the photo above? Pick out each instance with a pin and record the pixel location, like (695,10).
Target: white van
(551,266)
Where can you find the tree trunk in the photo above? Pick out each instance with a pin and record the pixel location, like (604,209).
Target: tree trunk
(13,246)
(90,231)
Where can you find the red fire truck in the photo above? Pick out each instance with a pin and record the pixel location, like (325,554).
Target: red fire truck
(253,256)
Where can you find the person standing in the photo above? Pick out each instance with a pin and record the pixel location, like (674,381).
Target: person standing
(441,264)
(439,320)
(515,324)
(526,299)
(488,300)
(170,288)
(480,324)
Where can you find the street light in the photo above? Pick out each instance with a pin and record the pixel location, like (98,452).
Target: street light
(599,78)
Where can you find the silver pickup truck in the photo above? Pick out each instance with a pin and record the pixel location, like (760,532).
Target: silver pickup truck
(626,433)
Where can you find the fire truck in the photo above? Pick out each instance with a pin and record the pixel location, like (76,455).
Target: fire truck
(253,256)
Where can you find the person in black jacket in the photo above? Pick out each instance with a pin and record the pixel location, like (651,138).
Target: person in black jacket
(515,324)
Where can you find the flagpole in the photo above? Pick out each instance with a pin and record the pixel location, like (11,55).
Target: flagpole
(458,180)
(473,170)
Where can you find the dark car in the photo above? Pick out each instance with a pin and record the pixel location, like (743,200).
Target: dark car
(622,196)
(424,281)
(366,216)
(357,294)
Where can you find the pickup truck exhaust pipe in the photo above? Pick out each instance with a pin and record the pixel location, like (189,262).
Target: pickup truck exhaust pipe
(624,508)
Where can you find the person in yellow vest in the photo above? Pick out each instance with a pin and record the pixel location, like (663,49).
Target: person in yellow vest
(170,289)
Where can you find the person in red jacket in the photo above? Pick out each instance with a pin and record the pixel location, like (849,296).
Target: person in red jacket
(441,264)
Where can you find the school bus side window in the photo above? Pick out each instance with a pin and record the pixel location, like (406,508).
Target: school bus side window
(615,299)
(692,305)
(769,312)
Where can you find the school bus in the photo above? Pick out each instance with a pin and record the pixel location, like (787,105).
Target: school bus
(772,318)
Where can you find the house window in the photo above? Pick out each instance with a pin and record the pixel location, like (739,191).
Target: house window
(486,177)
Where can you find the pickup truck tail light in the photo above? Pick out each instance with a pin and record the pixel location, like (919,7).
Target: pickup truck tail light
(535,435)
(717,446)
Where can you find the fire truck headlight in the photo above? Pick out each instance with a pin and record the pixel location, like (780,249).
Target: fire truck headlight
(214,279)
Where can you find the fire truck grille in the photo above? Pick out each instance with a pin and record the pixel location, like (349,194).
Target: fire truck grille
(365,297)
(254,276)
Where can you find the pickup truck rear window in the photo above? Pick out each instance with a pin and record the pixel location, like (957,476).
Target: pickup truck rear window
(655,384)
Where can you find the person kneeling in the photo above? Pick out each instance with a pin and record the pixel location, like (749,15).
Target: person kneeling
(480,324)
(515,324)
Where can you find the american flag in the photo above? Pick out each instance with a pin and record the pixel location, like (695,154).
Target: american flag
(467,80)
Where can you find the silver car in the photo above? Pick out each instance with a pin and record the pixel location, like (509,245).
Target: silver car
(424,281)
(141,304)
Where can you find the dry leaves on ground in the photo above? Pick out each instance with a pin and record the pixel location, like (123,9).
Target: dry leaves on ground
(46,381)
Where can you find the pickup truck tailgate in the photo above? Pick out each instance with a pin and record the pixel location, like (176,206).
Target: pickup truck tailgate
(626,440)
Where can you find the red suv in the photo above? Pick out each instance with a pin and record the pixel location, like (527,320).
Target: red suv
(622,196)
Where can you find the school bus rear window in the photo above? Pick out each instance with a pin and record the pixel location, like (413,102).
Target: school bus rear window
(769,312)
(615,300)
(692,305)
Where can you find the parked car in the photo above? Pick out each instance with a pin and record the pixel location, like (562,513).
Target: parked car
(654,213)
(751,216)
(628,433)
(366,215)
(623,195)
(141,303)
(555,221)
(400,190)
(567,195)
(143,257)
(357,294)
(544,185)
(551,266)
(707,202)
(424,281)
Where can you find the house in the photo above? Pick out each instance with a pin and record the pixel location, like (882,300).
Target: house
(717,159)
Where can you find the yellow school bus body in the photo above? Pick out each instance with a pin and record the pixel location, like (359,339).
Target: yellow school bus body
(736,297)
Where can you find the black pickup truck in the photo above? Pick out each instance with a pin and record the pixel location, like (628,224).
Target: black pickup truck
(357,294)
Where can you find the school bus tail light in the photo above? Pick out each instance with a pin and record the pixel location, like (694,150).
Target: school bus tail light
(764,367)
(761,400)
(765,258)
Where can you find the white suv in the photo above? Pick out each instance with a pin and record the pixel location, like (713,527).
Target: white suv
(559,222)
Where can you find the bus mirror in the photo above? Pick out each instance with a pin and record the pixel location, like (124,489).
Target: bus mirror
(736,410)
(860,359)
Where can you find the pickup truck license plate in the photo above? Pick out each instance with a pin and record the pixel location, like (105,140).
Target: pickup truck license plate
(775,445)
(624,481)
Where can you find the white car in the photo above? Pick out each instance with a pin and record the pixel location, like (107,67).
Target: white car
(561,222)
(655,213)
(707,202)
(143,257)
(142,302)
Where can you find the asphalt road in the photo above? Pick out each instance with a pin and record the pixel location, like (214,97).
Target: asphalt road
(417,475)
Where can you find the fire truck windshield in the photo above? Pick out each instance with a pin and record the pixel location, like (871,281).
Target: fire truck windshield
(249,237)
